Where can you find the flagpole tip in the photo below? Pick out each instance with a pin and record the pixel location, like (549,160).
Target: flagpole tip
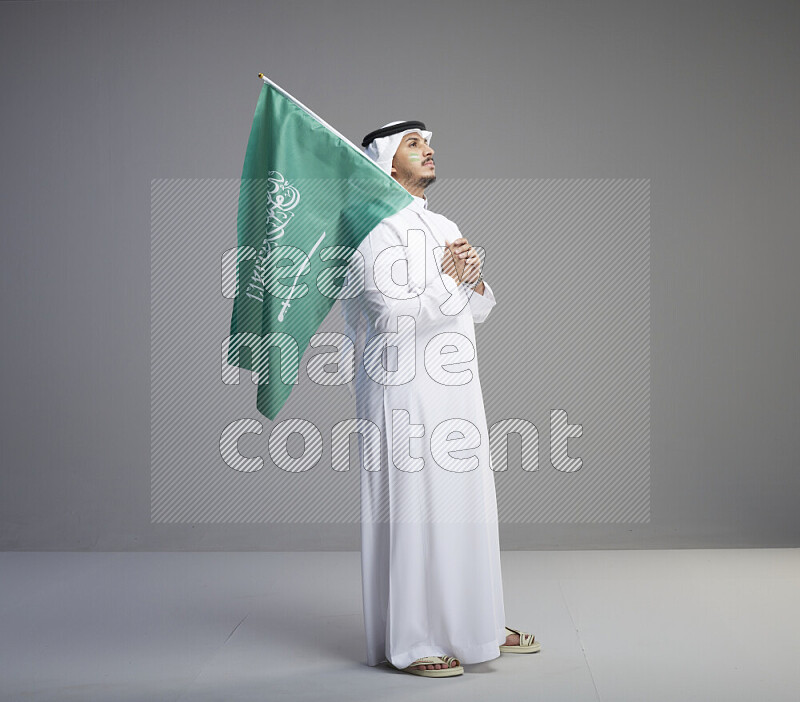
(260,75)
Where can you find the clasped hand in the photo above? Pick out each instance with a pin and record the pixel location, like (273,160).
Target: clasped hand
(461,261)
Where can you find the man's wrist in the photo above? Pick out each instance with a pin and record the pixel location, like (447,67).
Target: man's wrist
(476,285)
(478,288)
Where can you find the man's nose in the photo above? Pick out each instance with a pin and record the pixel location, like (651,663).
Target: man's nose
(428,150)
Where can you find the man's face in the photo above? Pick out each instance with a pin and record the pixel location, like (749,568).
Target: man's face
(412,165)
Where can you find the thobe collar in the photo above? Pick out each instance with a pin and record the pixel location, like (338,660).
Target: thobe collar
(420,202)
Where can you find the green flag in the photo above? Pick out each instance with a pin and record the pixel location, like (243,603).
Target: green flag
(308,198)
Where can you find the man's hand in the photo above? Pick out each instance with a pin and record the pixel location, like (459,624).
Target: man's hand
(461,261)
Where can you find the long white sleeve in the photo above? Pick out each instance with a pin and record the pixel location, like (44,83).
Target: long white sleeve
(481,305)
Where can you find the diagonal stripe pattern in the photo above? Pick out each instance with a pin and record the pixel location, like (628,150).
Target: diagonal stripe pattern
(564,363)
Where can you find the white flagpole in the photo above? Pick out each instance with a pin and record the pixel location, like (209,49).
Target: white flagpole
(321,121)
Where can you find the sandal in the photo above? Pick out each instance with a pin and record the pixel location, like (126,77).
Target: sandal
(457,669)
(526,643)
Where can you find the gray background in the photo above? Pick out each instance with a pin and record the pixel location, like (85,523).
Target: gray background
(700,98)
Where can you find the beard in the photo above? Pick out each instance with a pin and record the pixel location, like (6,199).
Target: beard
(424,181)
(409,179)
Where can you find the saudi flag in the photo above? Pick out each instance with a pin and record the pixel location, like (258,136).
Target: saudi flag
(308,198)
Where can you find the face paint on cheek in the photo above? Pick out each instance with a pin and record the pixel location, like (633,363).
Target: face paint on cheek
(413,157)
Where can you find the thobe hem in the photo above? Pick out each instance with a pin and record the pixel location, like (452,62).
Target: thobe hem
(467,655)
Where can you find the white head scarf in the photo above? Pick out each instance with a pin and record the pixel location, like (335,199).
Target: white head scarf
(383,149)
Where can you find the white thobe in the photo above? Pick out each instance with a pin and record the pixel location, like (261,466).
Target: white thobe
(430,550)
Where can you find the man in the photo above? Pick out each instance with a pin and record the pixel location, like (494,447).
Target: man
(430,552)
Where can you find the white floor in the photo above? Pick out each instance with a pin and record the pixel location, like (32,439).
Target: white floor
(643,626)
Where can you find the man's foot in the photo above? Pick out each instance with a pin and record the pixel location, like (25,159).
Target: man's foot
(437,666)
(520,642)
